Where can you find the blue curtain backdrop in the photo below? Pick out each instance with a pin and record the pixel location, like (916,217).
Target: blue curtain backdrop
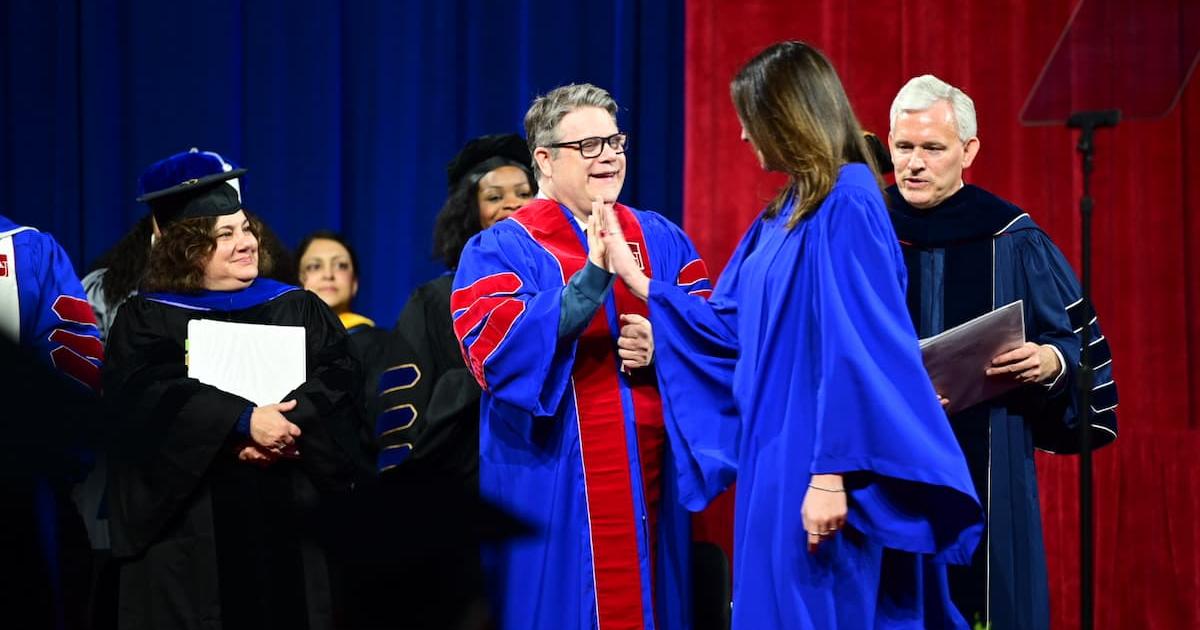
(345,112)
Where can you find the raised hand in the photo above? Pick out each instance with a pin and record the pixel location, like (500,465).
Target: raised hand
(595,230)
(620,258)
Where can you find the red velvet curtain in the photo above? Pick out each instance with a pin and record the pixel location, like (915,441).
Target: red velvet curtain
(1146,266)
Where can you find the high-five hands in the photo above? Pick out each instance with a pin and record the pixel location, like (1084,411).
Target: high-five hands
(619,257)
(597,250)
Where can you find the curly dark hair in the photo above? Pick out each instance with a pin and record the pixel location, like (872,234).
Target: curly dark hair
(177,260)
(458,220)
(282,266)
(126,262)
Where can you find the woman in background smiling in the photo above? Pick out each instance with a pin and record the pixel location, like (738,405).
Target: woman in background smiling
(329,267)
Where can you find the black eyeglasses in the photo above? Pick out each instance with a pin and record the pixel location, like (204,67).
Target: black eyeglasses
(594,146)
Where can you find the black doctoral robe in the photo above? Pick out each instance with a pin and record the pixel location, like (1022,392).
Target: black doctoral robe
(207,541)
(972,253)
(429,419)
(369,346)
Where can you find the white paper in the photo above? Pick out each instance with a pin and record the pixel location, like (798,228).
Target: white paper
(957,359)
(259,363)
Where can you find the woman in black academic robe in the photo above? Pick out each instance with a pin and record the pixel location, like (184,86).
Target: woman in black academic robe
(209,494)
(328,266)
(429,426)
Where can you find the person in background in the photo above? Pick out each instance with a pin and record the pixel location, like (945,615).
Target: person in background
(209,492)
(852,493)
(428,431)
(44,316)
(967,252)
(329,267)
(432,422)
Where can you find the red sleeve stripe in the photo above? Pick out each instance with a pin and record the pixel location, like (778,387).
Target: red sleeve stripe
(498,325)
(505,283)
(75,366)
(704,293)
(692,273)
(477,312)
(74,310)
(85,345)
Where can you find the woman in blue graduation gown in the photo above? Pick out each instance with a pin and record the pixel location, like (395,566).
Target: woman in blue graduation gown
(208,492)
(803,371)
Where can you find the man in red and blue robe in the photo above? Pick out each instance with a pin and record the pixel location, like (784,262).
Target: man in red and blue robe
(572,438)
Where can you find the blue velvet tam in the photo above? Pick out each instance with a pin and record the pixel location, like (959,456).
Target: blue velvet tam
(190,184)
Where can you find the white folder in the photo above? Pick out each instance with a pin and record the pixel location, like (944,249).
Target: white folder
(257,362)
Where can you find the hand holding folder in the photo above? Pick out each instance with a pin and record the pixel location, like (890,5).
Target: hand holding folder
(957,359)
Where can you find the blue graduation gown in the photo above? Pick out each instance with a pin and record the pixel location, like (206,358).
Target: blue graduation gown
(808,326)
(567,441)
(972,253)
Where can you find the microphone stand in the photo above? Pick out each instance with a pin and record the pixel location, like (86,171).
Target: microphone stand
(1087,122)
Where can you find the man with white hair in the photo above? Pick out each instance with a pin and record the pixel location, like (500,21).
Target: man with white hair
(572,436)
(968,252)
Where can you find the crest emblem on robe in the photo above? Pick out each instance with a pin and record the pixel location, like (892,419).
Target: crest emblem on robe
(4,264)
(637,254)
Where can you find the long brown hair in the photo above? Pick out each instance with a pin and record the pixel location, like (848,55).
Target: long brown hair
(793,107)
(178,258)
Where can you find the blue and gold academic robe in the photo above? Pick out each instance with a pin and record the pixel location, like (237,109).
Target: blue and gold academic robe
(805,354)
(972,253)
(568,442)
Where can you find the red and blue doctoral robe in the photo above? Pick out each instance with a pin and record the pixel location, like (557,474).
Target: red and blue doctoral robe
(568,441)
(43,310)
(43,306)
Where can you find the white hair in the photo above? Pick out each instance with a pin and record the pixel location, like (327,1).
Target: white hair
(921,93)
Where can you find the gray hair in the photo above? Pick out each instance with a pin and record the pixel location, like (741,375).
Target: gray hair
(541,121)
(921,93)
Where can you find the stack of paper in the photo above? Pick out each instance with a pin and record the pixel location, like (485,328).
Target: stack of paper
(259,363)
